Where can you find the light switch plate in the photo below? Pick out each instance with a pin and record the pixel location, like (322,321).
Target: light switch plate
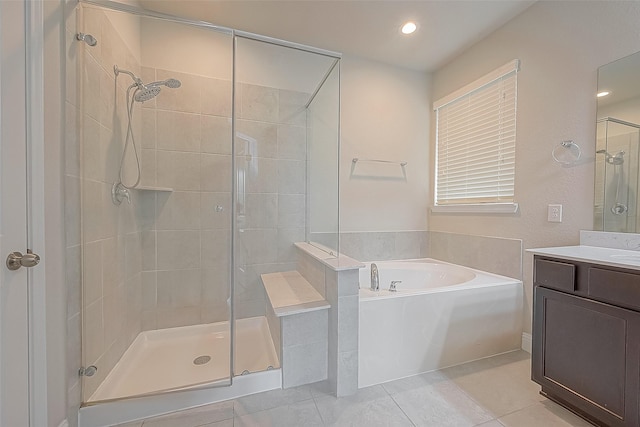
(554,213)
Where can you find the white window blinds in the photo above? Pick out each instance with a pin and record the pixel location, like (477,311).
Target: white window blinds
(475,141)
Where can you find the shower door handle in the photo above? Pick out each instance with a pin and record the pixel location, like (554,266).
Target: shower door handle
(15,260)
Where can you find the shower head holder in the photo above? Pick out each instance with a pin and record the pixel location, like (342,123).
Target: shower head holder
(87,38)
(135,78)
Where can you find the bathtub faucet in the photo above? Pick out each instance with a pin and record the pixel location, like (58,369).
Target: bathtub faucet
(375,282)
(393,285)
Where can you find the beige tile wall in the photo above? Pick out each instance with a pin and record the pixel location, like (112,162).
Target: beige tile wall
(187,147)
(493,254)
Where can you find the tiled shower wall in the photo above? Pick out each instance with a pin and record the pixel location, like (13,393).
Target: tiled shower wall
(186,146)
(271,150)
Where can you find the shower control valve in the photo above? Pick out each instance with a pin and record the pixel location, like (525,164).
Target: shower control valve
(119,192)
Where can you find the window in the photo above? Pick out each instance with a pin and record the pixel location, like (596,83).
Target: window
(475,144)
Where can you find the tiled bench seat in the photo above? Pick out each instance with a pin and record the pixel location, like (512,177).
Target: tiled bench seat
(298,322)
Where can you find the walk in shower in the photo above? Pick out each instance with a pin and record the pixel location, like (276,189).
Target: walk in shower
(204,155)
(616,176)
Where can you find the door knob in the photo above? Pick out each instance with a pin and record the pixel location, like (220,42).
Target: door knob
(15,260)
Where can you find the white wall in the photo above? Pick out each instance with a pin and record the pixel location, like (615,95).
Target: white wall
(384,115)
(560,45)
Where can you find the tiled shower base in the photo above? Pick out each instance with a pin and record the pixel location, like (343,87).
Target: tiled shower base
(184,357)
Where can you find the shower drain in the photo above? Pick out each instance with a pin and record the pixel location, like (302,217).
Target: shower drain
(201,360)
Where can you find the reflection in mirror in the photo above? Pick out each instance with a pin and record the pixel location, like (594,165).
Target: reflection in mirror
(618,138)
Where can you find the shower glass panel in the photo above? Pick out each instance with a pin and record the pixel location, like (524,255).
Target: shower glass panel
(616,176)
(323,136)
(155,138)
(273,88)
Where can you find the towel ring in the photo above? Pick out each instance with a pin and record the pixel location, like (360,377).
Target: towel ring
(567,153)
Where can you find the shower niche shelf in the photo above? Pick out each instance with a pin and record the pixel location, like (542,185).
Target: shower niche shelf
(151,188)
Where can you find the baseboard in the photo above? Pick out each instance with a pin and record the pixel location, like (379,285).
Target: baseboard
(64,423)
(526,342)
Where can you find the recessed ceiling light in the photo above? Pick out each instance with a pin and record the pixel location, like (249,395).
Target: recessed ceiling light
(603,93)
(409,27)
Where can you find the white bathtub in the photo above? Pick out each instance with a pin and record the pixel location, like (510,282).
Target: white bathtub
(441,315)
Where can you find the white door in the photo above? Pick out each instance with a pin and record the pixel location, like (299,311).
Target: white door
(14,341)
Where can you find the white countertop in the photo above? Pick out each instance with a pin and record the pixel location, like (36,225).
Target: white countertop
(606,256)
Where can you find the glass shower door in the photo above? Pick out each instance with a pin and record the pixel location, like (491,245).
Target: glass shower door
(153,107)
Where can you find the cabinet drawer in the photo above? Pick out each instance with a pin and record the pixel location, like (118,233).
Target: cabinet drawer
(617,287)
(554,274)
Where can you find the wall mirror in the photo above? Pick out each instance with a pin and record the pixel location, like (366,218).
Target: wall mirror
(617,142)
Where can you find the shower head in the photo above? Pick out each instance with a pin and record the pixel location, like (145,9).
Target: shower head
(145,93)
(172,83)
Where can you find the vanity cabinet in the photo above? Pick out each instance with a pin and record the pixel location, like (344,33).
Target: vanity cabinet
(586,339)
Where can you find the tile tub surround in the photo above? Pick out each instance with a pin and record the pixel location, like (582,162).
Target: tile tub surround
(471,251)
(492,254)
(493,392)
(297,316)
(336,279)
(385,245)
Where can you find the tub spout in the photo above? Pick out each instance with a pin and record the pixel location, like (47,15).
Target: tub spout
(393,285)
(375,282)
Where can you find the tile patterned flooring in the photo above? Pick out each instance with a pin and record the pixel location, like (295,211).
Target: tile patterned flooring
(493,392)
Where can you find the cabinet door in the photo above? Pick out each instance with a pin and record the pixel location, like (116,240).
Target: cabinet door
(586,355)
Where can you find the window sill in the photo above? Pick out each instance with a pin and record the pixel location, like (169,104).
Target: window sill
(500,208)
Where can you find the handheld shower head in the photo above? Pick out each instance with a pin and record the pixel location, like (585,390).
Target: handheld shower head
(145,92)
(172,83)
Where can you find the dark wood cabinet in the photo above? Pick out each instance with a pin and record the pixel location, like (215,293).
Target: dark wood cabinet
(586,339)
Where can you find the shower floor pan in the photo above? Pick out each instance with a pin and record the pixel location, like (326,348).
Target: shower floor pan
(188,356)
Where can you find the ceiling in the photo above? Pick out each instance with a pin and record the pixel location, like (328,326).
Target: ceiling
(369,29)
